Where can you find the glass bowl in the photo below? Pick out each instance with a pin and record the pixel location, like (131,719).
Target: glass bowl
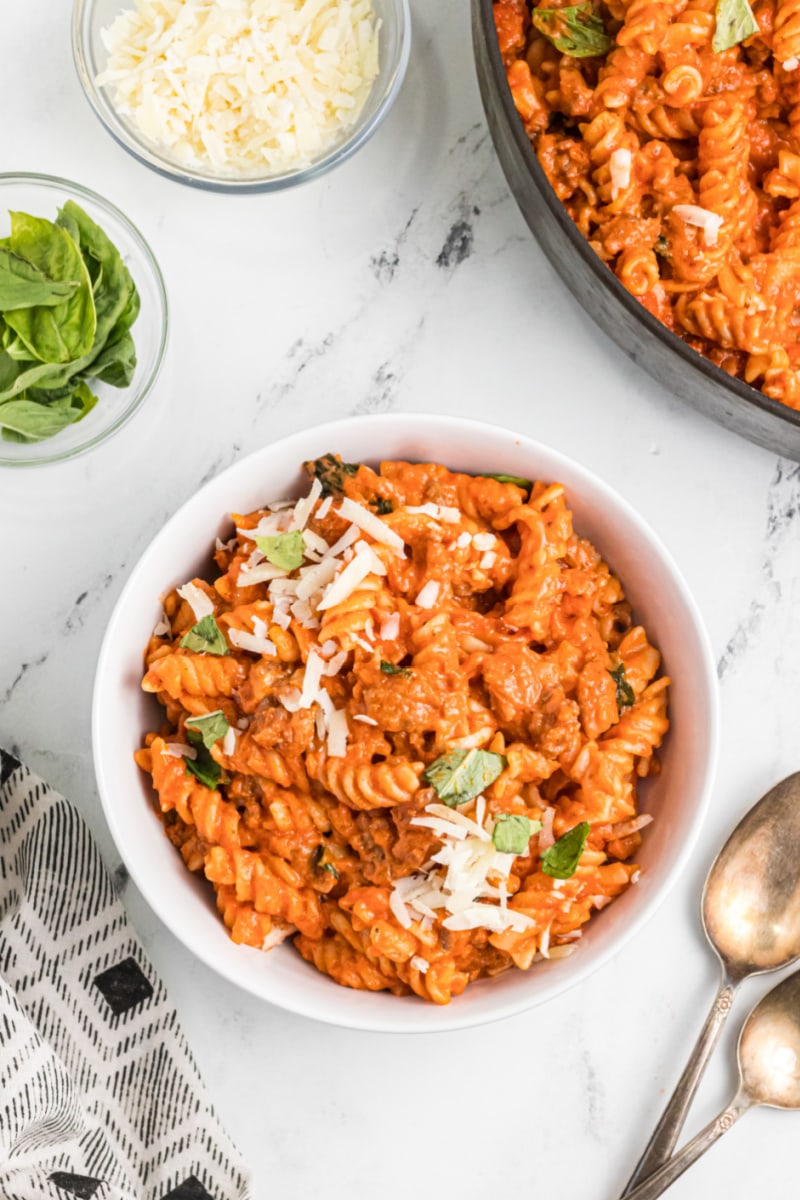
(42,196)
(91,17)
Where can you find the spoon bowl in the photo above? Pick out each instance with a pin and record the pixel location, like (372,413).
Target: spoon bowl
(769,1048)
(751,900)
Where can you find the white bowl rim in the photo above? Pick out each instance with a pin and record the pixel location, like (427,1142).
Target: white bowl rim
(428,1018)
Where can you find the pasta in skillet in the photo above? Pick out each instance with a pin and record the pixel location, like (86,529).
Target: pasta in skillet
(670,130)
(405,725)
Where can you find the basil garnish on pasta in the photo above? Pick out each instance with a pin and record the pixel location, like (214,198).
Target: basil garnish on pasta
(525,484)
(735,23)
(392,669)
(211,727)
(205,637)
(331,472)
(562,858)
(577,30)
(463,774)
(203,767)
(625,693)
(512,832)
(284,550)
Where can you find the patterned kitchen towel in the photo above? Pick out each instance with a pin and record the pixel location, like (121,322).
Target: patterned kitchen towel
(100,1097)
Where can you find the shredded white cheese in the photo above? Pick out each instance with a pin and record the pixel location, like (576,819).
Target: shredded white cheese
(702,218)
(251,642)
(390,628)
(419,963)
(377,529)
(179,750)
(438,512)
(428,595)
(791,64)
(483,541)
(242,86)
(197,600)
(619,165)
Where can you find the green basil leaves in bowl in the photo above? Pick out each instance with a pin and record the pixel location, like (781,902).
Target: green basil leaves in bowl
(83,319)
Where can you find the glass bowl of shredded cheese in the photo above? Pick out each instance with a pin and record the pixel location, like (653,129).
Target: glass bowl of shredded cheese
(241,95)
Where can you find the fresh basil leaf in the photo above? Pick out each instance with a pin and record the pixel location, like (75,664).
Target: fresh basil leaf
(284,550)
(625,693)
(211,727)
(31,421)
(116,298)
(735,23)
(516,479)
(116,363)
(390,669)
(203,767)
(24,286)
(562,858)
(205,637)
(65,332)
(512,832)
(463,774)
(577,30)
(331,472)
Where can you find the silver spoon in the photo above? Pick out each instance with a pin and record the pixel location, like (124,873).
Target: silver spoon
(769,1074)
(751,917)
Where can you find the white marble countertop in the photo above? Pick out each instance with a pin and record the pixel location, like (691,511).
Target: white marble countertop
(406,280)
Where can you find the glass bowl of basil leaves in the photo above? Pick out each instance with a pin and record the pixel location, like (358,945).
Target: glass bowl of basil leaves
(83,319)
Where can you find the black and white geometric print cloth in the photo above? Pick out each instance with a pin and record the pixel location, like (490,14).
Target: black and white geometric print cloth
(100,1098)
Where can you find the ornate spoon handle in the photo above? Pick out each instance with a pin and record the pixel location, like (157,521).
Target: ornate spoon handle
(661,1180)
(666,1133)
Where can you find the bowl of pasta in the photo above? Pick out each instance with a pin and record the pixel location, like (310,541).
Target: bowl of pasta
(405,724)
(654,152)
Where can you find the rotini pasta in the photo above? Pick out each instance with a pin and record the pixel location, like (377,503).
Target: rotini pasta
(670,130)
(405,727)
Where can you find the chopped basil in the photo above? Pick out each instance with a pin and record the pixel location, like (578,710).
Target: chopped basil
(331,472)
(561,860)
(284,550)
(577,30)
(390,669)
(211,727)
(515,479)
(512,832)
(382,507)
(625,693)
(203,767)
(205,637)
(463,774)
(735,23)
(662,246)
(318,865)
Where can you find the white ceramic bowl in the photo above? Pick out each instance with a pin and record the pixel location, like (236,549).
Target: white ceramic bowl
(122,713)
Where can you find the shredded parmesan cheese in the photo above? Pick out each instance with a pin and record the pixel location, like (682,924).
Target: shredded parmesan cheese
(377,529)
(241,86)
(251,642)
(702,218)
(390,628)
(179,750)
(197,600)
(619,165)
(429,594)
(419,963)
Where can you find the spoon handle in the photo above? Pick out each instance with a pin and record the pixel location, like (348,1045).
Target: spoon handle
(666,1133)
(666,1176)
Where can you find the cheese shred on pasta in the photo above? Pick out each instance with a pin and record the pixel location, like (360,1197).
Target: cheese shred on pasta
(395,645)
(242,86)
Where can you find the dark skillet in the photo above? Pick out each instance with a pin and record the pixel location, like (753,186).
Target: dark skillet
(643,338)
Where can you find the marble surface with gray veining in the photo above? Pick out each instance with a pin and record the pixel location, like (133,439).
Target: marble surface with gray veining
(405,281)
